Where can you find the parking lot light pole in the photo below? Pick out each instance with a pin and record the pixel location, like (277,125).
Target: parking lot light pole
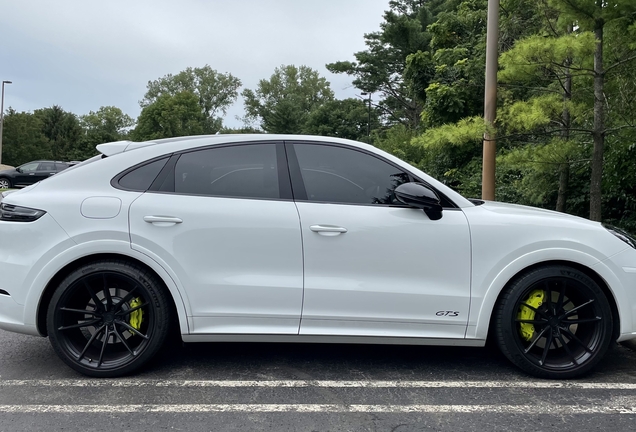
(2,116)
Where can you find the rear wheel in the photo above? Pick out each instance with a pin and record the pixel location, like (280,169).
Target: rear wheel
(554,322)
(108,318)
(5,183)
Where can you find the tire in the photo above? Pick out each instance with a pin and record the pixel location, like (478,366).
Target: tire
(5,183)
(94,323)
(571,324)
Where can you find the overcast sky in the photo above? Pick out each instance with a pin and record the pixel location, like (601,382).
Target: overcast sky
(83,54)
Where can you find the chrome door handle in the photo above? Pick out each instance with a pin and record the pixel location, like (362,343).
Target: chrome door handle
(162,220)
(328,229)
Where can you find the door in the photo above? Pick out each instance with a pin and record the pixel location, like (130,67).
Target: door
(372,266)
(27,174)
(45,170)
(224,221)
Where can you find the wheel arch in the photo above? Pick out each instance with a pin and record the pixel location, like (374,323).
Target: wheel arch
(176,305)
(591,273)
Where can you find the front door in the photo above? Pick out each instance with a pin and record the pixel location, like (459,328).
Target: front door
(374,267)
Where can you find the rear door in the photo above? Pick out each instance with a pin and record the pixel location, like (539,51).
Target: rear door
(224,221)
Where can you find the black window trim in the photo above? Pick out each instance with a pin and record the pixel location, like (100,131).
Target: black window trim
(298,185)
(284,181)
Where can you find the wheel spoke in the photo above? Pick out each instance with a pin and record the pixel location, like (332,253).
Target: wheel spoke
(561,296)
(548,344)
(80,311)
(98,304)
(101,353)
(534,342)
(534,309)
(535,322)
(123,341)
(80,325)
(90,341)
(549,296)
(109,300)
(132,329)
(126,298)
(131,310)
(571,311)
(581,321)
(567,349)
(577,340)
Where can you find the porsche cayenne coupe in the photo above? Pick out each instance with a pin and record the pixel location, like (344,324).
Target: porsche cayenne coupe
(300,239)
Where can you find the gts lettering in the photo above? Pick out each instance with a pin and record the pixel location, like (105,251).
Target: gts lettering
(447,313)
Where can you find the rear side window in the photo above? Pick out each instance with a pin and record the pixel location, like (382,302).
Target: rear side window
(243,171)
(140,178)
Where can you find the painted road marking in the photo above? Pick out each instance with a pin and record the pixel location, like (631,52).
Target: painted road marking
(321,383)
(323,408)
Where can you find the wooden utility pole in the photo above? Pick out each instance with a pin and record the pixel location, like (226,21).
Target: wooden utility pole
(490,101)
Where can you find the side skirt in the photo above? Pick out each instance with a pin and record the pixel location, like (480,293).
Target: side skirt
(333,339)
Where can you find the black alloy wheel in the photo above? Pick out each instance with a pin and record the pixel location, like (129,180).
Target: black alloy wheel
(108,318)
(554,322)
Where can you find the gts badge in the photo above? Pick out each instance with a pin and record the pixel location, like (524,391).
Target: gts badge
(447,313)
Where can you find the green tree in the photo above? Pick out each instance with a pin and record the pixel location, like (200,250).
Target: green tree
(348,118)
(380,68)
(215,92)
(107,124)
(284,102)
(170,116)
(62,129)
(23,139)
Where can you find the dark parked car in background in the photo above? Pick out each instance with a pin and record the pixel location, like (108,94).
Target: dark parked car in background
(31,172)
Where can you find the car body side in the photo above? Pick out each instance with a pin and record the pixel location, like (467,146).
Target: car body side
(505,241)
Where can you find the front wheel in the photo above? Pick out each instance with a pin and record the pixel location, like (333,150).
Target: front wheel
(108,318)
(554,322)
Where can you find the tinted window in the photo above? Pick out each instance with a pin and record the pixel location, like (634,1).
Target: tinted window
(61,166)
(142,177)
(29,167)
(246,171)
(47,166)
(340,175)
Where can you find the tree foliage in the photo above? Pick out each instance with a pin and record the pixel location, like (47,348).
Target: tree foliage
(283,103)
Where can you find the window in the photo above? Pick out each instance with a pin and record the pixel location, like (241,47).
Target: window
(340,175)
(30,167)
(47,166)
(140,179)
(244,171)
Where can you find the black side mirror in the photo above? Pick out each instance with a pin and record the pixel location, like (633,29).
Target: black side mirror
(420,196)
(18,169)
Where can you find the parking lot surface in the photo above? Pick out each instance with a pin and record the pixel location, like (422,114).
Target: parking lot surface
(303,387)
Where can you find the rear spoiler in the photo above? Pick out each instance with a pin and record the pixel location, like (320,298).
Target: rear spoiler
(113,148)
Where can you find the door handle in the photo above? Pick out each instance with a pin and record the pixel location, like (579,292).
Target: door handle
(328,230)
(162,220)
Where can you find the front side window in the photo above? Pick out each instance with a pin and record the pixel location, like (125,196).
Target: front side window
(30,167)
(341,175)
(242,171)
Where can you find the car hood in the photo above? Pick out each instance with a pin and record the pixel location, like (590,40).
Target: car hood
(521,210)
(7,171)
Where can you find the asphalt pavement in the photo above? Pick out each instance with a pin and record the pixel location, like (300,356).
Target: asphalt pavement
(307,387)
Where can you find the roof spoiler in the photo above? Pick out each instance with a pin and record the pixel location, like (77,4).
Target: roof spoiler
(113,148)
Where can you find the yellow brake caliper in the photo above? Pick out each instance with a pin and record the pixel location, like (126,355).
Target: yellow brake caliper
(535,299)
(136,317)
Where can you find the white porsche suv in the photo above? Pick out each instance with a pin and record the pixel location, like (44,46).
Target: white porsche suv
(300,238)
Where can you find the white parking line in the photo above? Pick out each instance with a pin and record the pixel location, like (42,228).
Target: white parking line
(318,408)
(321,383)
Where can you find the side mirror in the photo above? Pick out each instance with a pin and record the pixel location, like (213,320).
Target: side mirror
(420,196)
(18,169)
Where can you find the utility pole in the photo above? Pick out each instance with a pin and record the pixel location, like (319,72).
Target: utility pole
(490,102)
(2,116)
